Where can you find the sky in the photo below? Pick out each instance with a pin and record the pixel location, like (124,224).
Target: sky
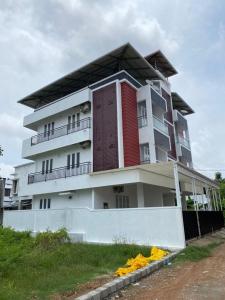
(42,40)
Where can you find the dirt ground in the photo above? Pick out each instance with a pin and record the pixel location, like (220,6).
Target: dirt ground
(204,279)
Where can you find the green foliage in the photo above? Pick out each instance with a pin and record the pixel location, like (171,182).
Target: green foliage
(190,203)
(221,181)
(37,267)
(48,239)
(196,253)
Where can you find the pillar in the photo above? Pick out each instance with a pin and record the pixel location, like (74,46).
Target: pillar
(140,195)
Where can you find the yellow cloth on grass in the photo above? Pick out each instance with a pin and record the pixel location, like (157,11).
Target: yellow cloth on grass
(141,261)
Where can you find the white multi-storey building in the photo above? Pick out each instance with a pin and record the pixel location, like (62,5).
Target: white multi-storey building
(111,154)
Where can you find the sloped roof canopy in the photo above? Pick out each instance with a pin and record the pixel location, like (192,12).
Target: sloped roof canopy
(181,105)
(122,58)
(161,63)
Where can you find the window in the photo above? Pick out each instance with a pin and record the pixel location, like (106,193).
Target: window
(105,205)
(45,203)
(69,123)
(122,201)
(145,153)
(14,186)
(43,167)
(47,166)
(7,192)
(74,120)
(51,165)
(53,127)
(78,119)
(49,129)
(68,161)
(73,160)
(45,130)
(49,203)
(71,163)
(142,114)
(78,159)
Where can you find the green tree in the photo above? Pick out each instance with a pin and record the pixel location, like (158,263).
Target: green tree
(221,181)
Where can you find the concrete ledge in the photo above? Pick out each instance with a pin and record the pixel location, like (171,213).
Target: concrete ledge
(121,282)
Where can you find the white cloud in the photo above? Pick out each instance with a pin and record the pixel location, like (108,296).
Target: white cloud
(42,40)
(6,170)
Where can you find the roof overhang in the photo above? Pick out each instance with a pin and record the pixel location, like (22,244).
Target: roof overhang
(159,61)
(161,174)
(123,58)
(181,105)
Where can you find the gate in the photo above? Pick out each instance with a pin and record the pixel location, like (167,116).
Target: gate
(209,221)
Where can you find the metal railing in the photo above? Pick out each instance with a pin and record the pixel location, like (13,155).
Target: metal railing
(63,172)
(60,131)
(142,121)
(159,124)
(184,142)
(145,161)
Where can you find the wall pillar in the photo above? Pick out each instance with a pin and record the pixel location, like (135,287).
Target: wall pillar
(93,199)
(140,195)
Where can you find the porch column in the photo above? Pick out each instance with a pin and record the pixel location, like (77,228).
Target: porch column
(214,199)
(221,206)
(194,193)
(177,185)
(208,198)
(140,194)
(93,199)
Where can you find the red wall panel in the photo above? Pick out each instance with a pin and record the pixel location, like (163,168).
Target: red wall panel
(130,125)
(105,140)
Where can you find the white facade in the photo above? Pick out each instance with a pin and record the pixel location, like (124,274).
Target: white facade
(136,201)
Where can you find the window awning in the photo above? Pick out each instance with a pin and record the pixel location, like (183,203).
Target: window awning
(161,63)
(123,58)
(181,105)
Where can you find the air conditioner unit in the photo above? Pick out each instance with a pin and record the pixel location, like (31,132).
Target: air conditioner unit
(85,144)
(85,108)
(118,189)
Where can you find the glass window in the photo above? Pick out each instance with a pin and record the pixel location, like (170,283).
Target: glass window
(41,203)
(51,165)
(49,203)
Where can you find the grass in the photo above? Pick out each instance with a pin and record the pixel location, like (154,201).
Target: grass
(196,253)
(35,268)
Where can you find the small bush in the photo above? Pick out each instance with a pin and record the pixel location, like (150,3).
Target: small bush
(48,239)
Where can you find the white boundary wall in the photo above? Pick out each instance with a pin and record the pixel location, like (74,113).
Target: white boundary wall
(146,226)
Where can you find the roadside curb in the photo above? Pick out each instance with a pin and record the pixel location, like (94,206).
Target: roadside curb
(121,282)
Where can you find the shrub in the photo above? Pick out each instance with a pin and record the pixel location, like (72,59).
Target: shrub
(48,239)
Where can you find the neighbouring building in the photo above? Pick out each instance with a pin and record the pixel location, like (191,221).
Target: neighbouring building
(111,156)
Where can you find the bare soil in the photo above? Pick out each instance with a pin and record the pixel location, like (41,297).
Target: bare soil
(204,279)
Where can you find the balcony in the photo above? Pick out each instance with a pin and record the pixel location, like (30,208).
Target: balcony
(184,142)
(63,172)
(33,120)
(142,121)
(57,138)
(60,131)
(160,125)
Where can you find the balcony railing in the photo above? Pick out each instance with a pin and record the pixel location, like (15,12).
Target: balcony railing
(142,121)
(63,172)
(184,142)
(159,124)
(60,131)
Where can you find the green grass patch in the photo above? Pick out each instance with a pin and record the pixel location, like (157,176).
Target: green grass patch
(35,268)
(196,253)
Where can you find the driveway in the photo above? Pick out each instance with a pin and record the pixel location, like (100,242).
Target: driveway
(204,279)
